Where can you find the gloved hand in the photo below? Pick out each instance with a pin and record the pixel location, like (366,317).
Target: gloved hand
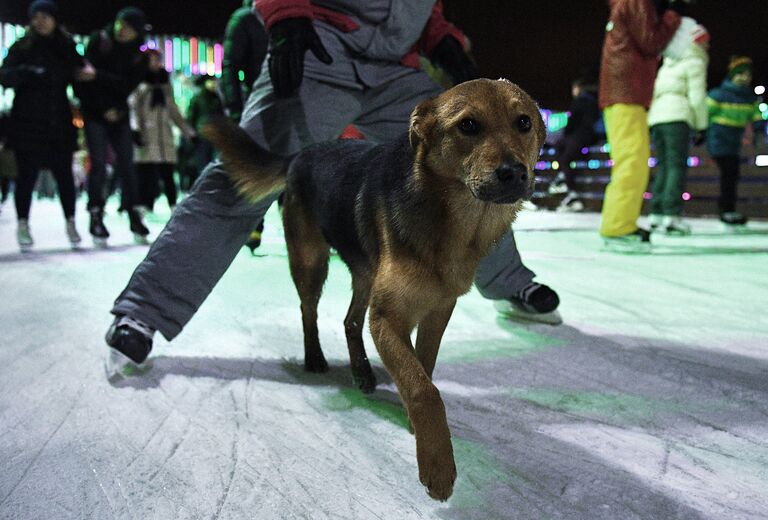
(449,55)
(699,137)
(138,140)
(289,40)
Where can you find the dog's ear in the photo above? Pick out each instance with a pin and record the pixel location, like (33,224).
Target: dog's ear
(422,120)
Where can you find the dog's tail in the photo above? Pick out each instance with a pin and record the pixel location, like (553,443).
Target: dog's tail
(256,172)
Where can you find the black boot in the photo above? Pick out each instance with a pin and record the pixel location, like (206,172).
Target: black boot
(138,228)
(97,229)
(131,342)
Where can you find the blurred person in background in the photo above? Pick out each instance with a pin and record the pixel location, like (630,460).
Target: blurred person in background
(204,106)
(678,112)
(39,67)
(732,107)
(120,66)
(153,111)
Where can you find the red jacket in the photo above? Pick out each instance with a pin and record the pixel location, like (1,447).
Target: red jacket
(634,38)
(436,29)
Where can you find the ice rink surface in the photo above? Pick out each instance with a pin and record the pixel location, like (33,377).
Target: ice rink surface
(650,401)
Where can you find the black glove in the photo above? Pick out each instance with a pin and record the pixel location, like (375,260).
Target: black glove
(138,140)
(449,55)
(699,137)
(289,40)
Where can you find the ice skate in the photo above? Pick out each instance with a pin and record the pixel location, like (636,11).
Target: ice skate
(23,236)
(97,229)
(675,226)
(72,234)
(572,203)
(130,343)
(138,228)
(733,222)
(655,220)
(536,302)
(558,185)
(637,242)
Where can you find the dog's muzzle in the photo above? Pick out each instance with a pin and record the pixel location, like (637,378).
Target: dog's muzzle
(513,182)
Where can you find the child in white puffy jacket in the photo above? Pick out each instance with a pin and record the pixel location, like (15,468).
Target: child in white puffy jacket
(678,110)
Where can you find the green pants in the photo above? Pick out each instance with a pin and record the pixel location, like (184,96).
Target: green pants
(671,141)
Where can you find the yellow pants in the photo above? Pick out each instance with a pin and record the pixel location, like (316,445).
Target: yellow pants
(629,137)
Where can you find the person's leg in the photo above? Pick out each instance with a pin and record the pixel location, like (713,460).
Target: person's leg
(628,135)
(678,138)
(61,167)
(122,145)
(96,138)
(658,136)
(144,174)
(210,225)
(385,115)
(729,177)
(28,168)
(169,184)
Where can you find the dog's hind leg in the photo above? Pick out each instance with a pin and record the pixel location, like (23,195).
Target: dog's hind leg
(430,333)
(308,256)
(353,326)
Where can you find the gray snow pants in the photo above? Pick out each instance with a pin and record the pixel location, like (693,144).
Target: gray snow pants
(212,223)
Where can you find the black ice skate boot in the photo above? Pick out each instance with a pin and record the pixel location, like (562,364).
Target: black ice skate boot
(733,221)
(138,228)
(97,229)
(131,342)
(535,302)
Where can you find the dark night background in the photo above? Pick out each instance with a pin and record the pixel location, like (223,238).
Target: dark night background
(540,44)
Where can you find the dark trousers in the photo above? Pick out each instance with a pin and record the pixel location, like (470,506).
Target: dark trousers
(729,181)
(29,164)
(99,135)
(149,176)
(671,141)
(568,150)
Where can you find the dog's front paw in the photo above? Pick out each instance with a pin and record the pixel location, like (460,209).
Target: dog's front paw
(437,472)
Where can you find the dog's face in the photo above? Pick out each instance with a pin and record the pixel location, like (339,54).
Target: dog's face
(486,134)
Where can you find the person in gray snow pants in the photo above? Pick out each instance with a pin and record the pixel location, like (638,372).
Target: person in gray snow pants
(211,224)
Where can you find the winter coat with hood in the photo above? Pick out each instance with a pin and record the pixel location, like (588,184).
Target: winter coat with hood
(120,67)
(680,91)
(731,109)
(634,38)
(153,109)
(245,47)
(39,69)
(372,41)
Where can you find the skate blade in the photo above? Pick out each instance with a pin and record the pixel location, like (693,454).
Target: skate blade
(117,366)
(140,239)
(100,242)
(26,248)
(511,312)
(735,229)
(643,248)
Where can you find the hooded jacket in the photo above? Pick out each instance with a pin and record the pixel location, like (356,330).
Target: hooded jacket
(39,69)
(634,38)
(731,109)
(680,91)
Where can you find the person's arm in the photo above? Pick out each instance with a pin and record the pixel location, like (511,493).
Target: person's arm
(648,31)
(176,117)
(436,29)
(14,73)
(236,50)
(697,92)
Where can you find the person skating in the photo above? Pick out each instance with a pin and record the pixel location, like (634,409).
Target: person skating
(120,66)
(677,111)
(153,110)
(39,67)
(636,33)
(370,77)
(732,106)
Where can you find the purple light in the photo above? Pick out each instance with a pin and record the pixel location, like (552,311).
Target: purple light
(584,151)
(686,195)
(693,161)
(169,55)
(647,195)
(652,162)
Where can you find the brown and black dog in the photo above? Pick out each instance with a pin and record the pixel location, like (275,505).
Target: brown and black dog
(411,219)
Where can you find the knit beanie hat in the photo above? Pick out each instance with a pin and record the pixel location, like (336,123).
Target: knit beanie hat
(134,17)
(739,64)
(48,7)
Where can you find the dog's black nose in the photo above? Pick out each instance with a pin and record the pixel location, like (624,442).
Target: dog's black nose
(516,172)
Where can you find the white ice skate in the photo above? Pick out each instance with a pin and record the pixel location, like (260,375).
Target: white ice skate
(72,234)
(23,236)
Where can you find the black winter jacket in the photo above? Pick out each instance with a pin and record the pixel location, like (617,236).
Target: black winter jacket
(39,69)
(245,47)
(120,67)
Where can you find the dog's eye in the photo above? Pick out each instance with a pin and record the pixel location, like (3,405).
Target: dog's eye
(524,124)
(469,126)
